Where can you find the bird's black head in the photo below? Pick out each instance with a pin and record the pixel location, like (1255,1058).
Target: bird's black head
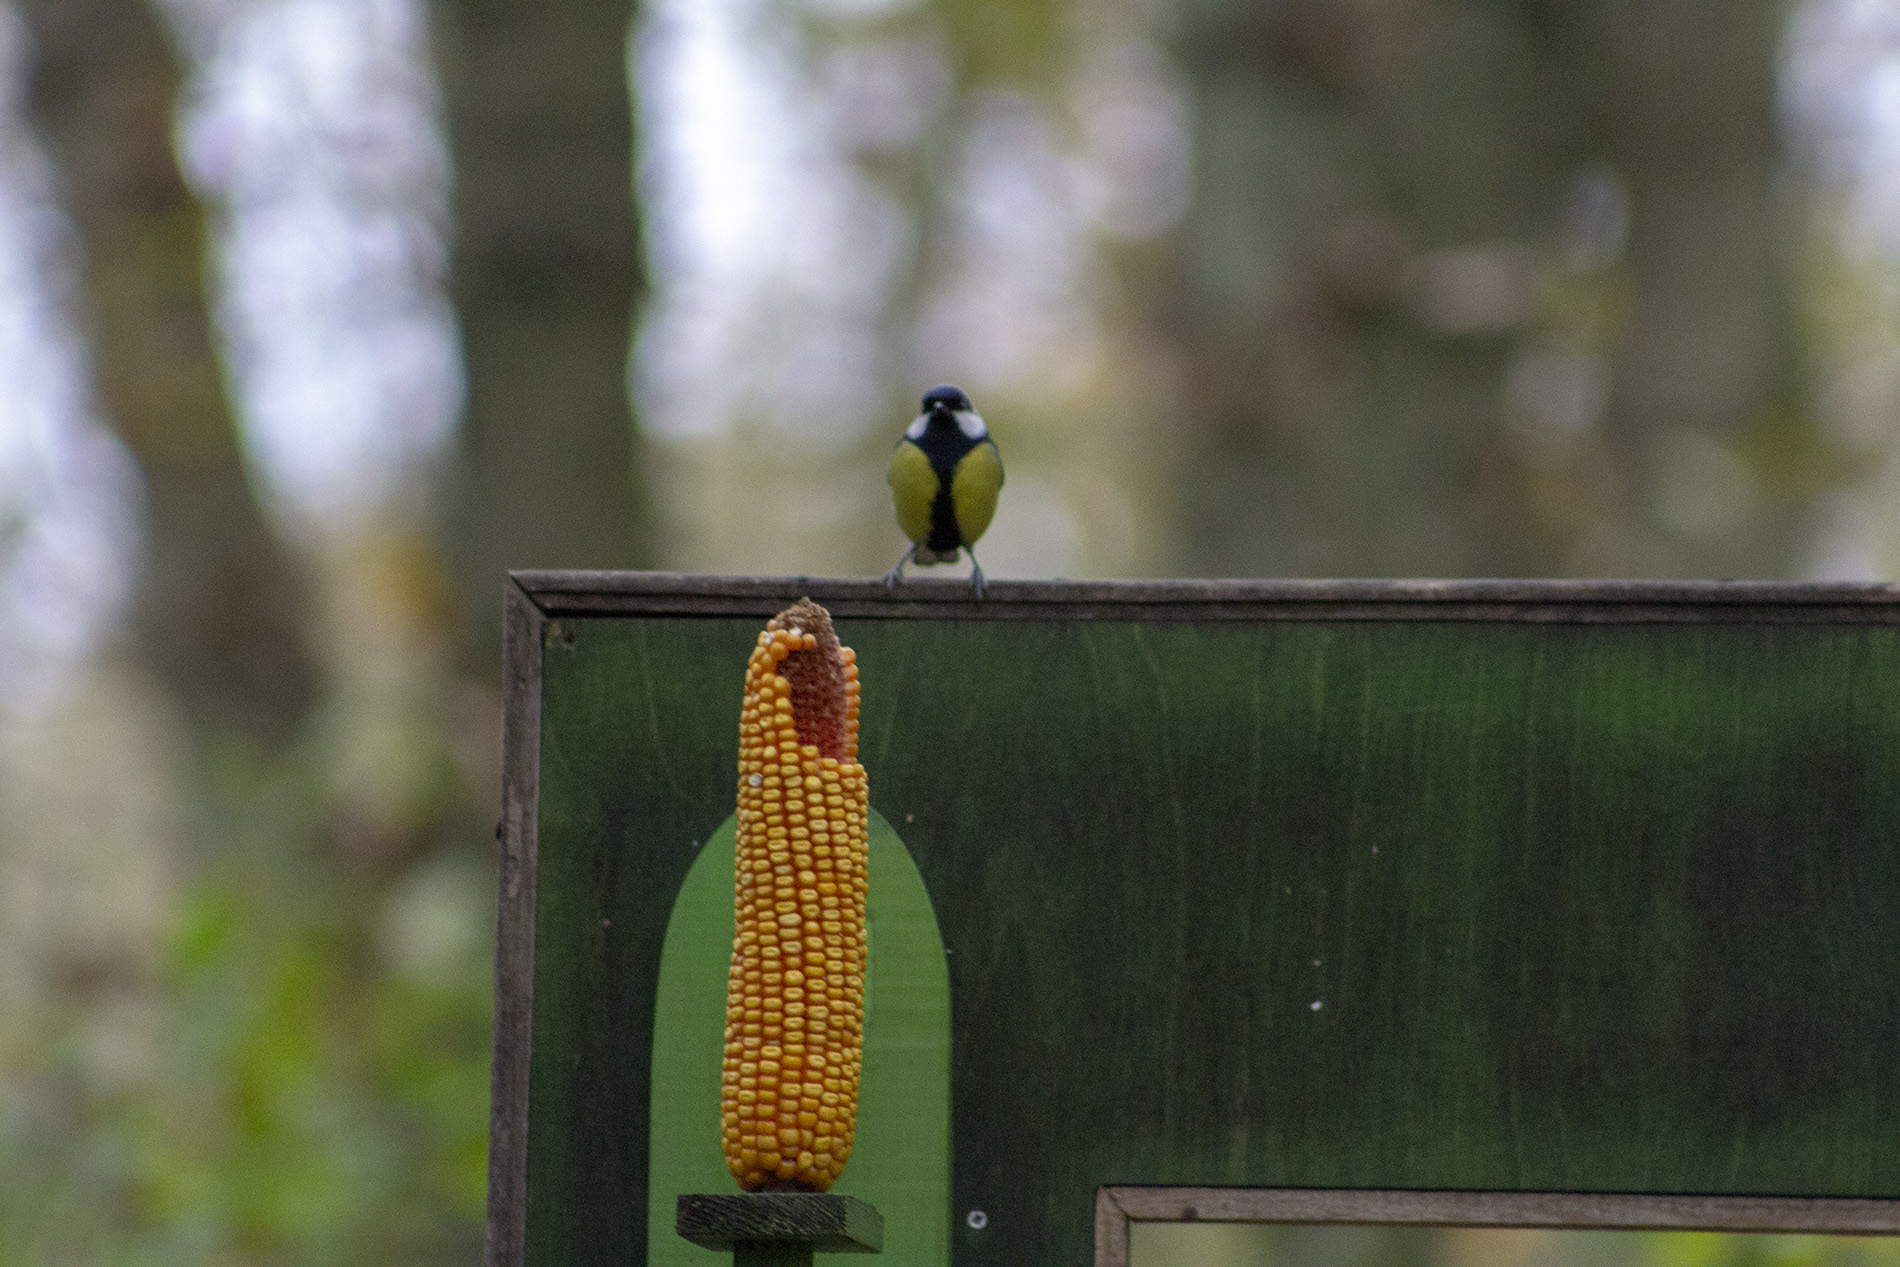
(950,399)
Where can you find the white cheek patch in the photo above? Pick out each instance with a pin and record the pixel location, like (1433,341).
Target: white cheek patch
(916,430)
(970,424)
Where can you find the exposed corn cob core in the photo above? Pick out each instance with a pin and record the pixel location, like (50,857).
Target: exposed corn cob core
(795,995)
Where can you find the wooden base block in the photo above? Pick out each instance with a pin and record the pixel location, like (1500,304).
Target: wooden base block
(779,1229)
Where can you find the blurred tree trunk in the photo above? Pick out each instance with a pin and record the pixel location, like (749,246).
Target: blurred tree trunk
(547,278)
(1710,350)
(219,608)
(1472,288)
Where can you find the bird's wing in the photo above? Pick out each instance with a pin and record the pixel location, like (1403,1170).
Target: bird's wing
(973,490)
(913,488)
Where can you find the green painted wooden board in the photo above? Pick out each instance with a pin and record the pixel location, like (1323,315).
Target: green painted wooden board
(1553,894)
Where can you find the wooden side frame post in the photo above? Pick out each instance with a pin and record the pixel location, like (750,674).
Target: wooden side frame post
(516,835)
(1116,1208)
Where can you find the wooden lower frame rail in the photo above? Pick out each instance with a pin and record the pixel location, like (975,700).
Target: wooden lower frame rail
(1117,1207)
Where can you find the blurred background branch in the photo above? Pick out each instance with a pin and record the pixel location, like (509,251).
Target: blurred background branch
(318,315)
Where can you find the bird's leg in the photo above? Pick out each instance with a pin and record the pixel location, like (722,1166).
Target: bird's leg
(976,574)
(896,574)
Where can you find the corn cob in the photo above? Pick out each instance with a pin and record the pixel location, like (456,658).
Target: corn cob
(795,994)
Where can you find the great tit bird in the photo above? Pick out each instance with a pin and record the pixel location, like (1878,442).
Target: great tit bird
(945,476)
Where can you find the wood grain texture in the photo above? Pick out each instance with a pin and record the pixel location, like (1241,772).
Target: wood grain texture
(1586,906)
(1570,602)
(824,1222)
(1117,1207)
(1111,1229)
(514,939)
(1620,1210)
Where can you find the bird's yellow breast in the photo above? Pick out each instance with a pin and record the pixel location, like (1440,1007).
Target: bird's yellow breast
(913,488)
(973,490)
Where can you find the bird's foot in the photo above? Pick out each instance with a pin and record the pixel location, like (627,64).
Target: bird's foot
(896,574)
(976,577)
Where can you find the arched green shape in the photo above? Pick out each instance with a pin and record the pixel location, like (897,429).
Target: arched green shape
(901,1160)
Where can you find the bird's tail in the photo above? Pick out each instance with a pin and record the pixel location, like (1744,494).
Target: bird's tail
(924,554)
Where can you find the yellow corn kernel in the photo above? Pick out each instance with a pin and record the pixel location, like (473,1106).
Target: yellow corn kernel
(795,994)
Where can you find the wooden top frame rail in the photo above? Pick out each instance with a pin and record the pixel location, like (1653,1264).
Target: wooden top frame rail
(537,601)
(556,594)
(1117,1207)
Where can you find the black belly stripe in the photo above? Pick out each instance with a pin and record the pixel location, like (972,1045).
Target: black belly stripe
(945,536)
(945,445)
